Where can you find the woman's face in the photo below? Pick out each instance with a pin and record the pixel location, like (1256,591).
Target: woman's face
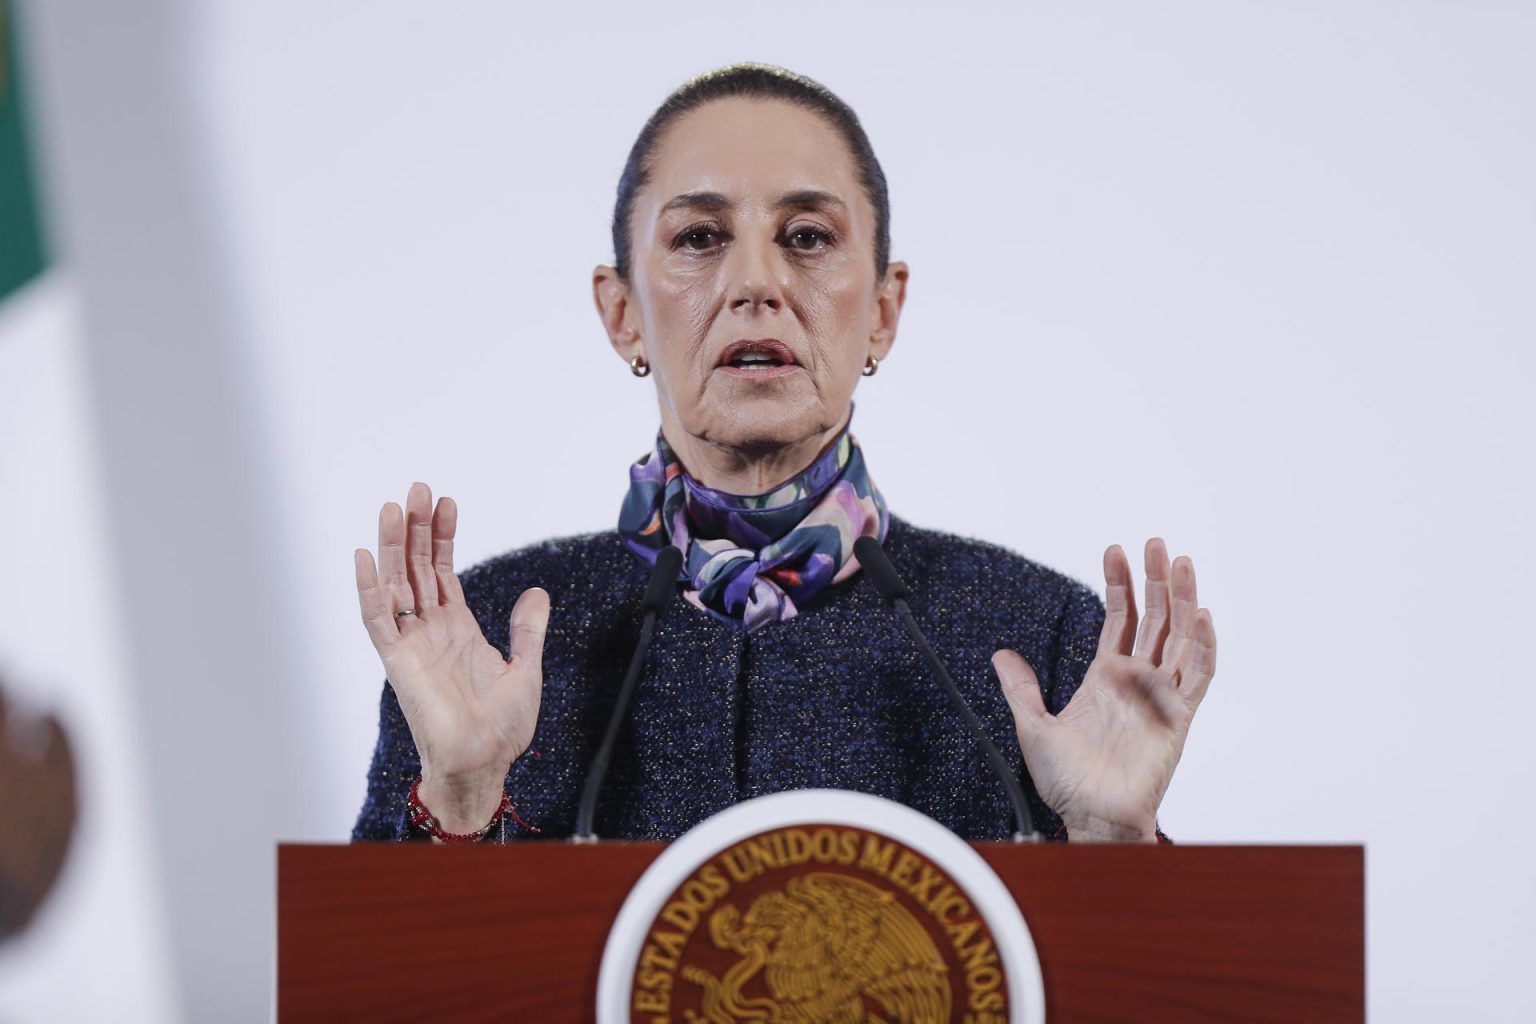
(752,289)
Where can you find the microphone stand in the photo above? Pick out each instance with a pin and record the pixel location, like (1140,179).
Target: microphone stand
(882,574)
(658,593)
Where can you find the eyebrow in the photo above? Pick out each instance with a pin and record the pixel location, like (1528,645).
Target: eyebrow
(810,199)
(804,199)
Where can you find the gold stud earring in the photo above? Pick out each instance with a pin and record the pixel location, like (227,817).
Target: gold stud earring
(870,366)
(639,367)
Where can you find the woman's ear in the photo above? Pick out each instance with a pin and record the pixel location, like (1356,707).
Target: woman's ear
(610,293)
(890,294)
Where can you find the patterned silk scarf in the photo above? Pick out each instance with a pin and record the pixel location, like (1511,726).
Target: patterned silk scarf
(755,558)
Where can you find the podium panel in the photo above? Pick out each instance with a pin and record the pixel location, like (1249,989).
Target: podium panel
(409,931)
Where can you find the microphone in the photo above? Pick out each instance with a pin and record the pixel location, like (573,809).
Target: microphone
(882,574)
(658,594)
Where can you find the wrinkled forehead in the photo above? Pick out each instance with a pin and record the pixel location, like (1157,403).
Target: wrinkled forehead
(752,151)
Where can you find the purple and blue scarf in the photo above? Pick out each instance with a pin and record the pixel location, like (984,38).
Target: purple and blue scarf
(755,558)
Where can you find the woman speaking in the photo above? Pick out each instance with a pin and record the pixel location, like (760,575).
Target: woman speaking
(752,282)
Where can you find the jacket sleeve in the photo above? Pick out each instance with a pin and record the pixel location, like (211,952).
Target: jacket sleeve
(1077,642)
(395,766)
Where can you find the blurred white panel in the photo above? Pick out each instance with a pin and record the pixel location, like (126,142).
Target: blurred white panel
(61,652)
(211,658)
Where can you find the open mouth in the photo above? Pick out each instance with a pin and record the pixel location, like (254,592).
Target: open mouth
(756,361)
(757,356)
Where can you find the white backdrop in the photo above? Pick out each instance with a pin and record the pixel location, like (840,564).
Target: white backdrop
(1253,277)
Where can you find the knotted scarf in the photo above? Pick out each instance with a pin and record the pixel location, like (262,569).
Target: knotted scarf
(755,558)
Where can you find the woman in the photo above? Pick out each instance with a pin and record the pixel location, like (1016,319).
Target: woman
(752,281)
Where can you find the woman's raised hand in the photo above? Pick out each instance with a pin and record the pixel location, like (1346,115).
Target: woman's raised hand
(470,711)
(1105,762)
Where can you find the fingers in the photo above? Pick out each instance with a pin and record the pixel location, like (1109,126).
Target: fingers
(393,579)
(1202,657)
(1154,627)
(418,547)
(1184,606)
(415,571)
(445,523)
(529,620)
(374,603)
(1021,688)
(1119,633)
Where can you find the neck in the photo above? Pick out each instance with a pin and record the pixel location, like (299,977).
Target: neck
(746,469)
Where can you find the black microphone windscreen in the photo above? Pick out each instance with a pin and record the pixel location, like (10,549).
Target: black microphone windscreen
(881,572)
(662,586)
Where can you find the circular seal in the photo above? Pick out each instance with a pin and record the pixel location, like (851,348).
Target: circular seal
(820,905)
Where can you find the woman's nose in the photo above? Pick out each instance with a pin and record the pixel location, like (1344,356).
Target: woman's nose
(753,278)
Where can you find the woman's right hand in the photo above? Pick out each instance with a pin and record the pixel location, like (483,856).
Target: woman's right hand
(470,711)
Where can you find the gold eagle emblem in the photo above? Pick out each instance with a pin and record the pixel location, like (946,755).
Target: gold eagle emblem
(832,950)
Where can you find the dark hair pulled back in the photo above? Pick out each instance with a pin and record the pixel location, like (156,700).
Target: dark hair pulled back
(757,81)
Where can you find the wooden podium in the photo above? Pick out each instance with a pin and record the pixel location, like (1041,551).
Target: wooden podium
(407,931)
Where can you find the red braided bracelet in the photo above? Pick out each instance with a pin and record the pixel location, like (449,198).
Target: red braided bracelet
(423,819)
(1162,840)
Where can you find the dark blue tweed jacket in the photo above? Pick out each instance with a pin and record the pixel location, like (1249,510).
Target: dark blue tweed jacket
(836,697)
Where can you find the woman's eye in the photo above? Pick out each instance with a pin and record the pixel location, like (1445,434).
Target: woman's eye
(699,239)
(808,239)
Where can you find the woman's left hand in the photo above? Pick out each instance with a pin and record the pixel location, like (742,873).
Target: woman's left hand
(1104,763)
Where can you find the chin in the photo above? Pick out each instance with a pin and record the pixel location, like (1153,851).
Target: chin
(761,425)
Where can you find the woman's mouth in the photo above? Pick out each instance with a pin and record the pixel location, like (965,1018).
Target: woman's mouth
(759,371)
(756,361)
(760,359)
